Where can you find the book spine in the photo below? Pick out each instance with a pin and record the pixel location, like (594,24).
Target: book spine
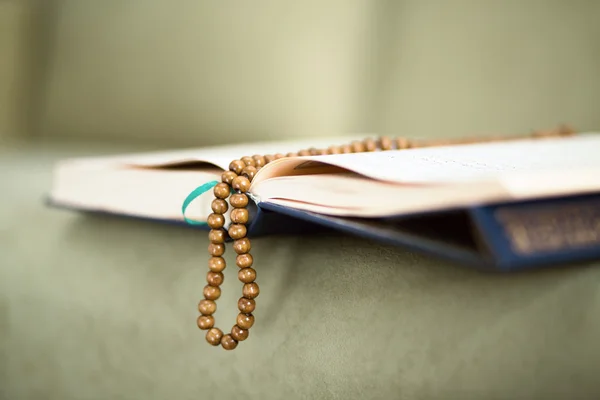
(268,222)
(551,231)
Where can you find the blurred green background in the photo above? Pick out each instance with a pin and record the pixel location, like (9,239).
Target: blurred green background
(199,72)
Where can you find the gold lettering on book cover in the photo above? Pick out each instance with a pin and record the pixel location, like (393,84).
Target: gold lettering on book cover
(544,229)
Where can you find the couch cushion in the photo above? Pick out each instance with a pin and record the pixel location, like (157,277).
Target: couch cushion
(108,306)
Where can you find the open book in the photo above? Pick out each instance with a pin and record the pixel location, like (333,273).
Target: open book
(472,202)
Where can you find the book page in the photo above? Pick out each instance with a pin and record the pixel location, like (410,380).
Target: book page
(219,156)
(416,180)
(151,193)
(500,161)
(347,194)
(141,185)
(353,195)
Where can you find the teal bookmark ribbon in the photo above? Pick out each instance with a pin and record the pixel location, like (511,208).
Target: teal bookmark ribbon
(199,191)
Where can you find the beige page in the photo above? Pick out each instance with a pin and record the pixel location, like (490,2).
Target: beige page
(140,184)
(395,182)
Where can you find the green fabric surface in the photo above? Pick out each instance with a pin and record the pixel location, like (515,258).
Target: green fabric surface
(105,308)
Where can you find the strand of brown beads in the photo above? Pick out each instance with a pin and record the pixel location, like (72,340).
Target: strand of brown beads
(238,179)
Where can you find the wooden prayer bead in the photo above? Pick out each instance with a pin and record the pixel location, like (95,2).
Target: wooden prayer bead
(215,221)
(207,307)
(227,177)
(333,150)
(248,161)
(239,334)
(321,152)
(205,322)
(415,144)
(216,264)
(237,231)
(216,236)
(370,145)
(213,336)
(212,292)
(429,143)
(385,143)
(245,321)
(237,166)
(239,216)
(221,190)
(216,249)
(246,305)
(402,143)
(357,147)
(269,158)
(291,155)
(215,278)
(249,172)
(259,161)
(250,290)
(565,130)
(345,149)
(241,183)
(228,342)
(247,275)
(244,260)
(242,246)
(219,206)
(278,156)
(239,200)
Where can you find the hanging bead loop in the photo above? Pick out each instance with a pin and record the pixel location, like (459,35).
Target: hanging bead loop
(235,184)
